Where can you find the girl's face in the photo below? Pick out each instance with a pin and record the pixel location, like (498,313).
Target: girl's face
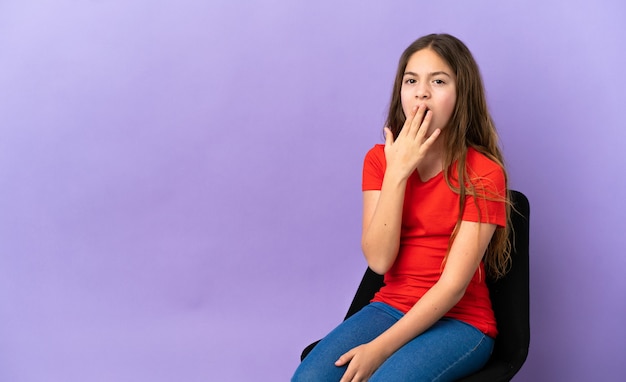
(429,80)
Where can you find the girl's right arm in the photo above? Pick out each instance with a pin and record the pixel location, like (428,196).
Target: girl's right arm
(382,210)
(382,220)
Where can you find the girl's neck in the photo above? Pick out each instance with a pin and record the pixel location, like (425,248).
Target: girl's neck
(432,163)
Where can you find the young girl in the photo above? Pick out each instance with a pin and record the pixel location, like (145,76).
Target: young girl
(435,211)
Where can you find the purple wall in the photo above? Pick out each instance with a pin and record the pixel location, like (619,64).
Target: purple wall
(180,181)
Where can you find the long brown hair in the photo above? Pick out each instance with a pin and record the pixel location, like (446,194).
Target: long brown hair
(470,125)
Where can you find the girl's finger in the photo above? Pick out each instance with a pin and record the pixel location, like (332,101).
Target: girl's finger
(348,375)
(425,122)
(417,121)
(388,137)
(409,121)
(345,358)
(433,137)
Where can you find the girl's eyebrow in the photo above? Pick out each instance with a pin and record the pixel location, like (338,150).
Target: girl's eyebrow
(433,74)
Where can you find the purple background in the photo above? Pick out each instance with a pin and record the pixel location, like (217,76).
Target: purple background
(180,180)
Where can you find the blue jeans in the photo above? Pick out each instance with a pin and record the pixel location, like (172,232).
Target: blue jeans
(449,350)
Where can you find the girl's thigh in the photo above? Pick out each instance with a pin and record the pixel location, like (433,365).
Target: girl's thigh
(362,327)
(449,350)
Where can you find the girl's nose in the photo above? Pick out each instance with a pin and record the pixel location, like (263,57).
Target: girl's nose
(422,92)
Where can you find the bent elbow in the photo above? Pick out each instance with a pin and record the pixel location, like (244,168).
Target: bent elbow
(380,269)
(379,261)
(377,264)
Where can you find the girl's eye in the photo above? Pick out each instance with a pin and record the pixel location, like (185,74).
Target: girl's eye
(439,82)
(410,81)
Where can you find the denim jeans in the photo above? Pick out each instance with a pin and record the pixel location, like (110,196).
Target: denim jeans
(449,350)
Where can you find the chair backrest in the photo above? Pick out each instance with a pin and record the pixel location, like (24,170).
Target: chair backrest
(509,297)
(510,301)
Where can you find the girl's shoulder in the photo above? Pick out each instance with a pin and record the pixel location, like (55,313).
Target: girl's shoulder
(374,167)
(480,163)
(484,171)
(376,153)
(378,149)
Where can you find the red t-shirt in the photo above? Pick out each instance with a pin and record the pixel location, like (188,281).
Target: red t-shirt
(429,215)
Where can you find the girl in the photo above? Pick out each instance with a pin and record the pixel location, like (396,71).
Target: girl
(435,211)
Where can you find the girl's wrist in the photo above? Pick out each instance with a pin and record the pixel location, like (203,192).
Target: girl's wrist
(397,176)
(382,348)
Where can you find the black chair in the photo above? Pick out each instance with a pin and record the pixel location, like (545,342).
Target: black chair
(509,297)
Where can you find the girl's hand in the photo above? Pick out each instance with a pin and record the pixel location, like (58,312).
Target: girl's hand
(405,154)
(363,361)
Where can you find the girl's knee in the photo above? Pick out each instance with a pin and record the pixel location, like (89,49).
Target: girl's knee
(309,373)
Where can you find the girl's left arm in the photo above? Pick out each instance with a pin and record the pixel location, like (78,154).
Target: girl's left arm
(465,255)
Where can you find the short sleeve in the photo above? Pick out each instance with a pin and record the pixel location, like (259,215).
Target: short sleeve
(374,168)
(488,206)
